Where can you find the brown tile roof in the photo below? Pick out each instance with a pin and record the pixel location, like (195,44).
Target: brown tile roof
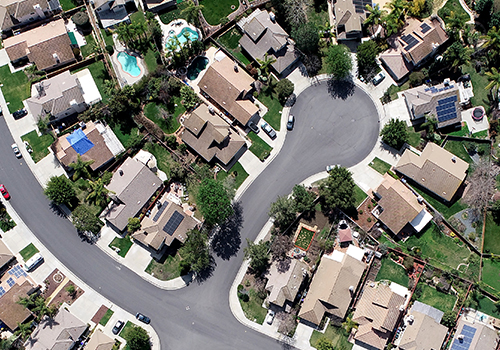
(284,285)
(5,255)
(12,313)
(16,9)
(437,170)
(349,18)
(99,341)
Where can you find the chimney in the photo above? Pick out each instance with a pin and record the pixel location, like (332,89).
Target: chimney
(454,159)
(39,11)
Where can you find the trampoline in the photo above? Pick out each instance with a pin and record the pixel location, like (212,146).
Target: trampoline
(79,141)
(478,113)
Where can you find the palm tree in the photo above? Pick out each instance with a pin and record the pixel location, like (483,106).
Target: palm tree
(80,168)
(391,25)
(41,308)
(124,32)
(398,10)
(186,35)
(349,324)
(457,55)
(192,12)
(24,330)
(492,42)
(27,302)
(494,78)
(98,194)
(375,16)
(455,22)
(109,87)
(265,63)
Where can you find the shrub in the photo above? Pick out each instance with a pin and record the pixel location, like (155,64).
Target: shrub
(416,78)
(243,297)
(284,88)
(110,48)
(76,51)
(369,219)
(184,267)
(81,19)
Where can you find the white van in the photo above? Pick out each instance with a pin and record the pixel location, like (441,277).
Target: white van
(34,261)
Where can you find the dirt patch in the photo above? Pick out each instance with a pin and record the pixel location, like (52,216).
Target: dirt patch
(64,296)
(315,218)
(53,282)
(99,314)
(364,218)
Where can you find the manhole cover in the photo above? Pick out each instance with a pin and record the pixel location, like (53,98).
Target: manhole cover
(58,277)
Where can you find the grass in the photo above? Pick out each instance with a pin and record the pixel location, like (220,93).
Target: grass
(86,50)
(481,134)
(138,17)
(259,147)
(413,137)
(458,149)
(335,334)
(173,14)
(108,37)
(104,320)
(165,269)
(39,144)
(100,74)
(253,307)
(175,107)
(128,325)
(359,196)
(230,40)
(215,10)
(163,157)
(433,297)
(384,240)
(68,4)
(464,131)
(150,60)
(487,306)
(152,112)
(304,238)
(124,135)
(16,88)
(491,235)
(270,99)
(123,244)
(393,272)
(28,251)
(446,210)
(393,90)
(318,14)
(240,177)
(379,165)
(479,82)
(491,273)
(452,5)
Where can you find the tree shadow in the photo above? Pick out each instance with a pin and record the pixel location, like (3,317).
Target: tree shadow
(227,241)
(342,89)
(207,272)
(283,265)
(57,210)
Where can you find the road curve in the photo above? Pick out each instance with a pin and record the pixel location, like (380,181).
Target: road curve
(328,130)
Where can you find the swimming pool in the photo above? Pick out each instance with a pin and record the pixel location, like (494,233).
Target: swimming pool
(129,64)
(193,35)
(198,65)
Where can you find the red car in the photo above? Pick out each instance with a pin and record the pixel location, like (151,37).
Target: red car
(4,191)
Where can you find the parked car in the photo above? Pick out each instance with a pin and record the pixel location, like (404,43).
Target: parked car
(143,318)
(33,262)
(4,192)
(268,130)
(291,121)
(16,150)
(290,101)
(270,317)
(1,112)
(378,78)
(253,127)
(330,167)
(20,113)
(118,327)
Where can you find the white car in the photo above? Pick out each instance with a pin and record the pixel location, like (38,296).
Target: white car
(331,167)
(378,78)
(16,150)
(270,317)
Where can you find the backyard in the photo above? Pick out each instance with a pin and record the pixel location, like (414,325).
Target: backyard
(237,171)
(173,13)
(215,10)
(68,4)
(379,165)
(123,244)
(87,49)
(441,301)
(479,81)
(491,235)
(100,75)
(487,306)
(491,273)
(108,37)
(304,238)
(392,272)
(335,334)
(458,149)
(445,210)
(230,40)
(16,88)
(452,5)
(259,147)
(163,157)
(28,251)
(166,268)
(170,125)
(39,144)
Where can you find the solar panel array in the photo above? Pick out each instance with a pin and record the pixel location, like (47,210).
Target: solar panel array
(446,109)
(174,222)
(17,271)
(464,344)
(360,5)
(425,27)
(410,40)
(2,291)
(11,282)
(160,211)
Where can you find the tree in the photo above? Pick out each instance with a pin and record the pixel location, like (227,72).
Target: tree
(98,193)
(23,330)
(457,55)
(296,11)
(394,133)
(7,343)
(481,187)
(398,10)
(283,212)
(416,78)
(258,255)
(71,290)
(189,97)
(324,344)
(337,191)
(455,22)
(313,64)
(306,37)
(85,220)
(42,123)
(80,168)
(137,338)
(192,13)
(280,246)
(495,211)
(133,225)
(81,19)
(408,262)
(287,322)
(349,324)
(214,202)
(338,62)
(41,309)
(60,190)
(195,251)
(492,42)
(416,7)
(448,319)
(284,88)
(266,63)
(494,80)
(366,56)
(304,200)
(375,16)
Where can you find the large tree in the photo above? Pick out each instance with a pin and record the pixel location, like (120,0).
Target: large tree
(304,199)
(214,202)
(457,55)
(338,61)
(60,190)
(284,89)
(80,168)
(85,220)
(296,11)
(98,193)
(494,80)
(195,251)
(258,253)
(395,133)
(283,212)
(366,56)
(481,187)
(137,338)
(192,12)
(337,191)
(306,37)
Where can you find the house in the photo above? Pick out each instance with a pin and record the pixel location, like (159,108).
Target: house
(399,208)
(412,46)
(284,284)
(133,184)
(6,255)
(61,332)
(158,5)
(377,313)
(211,137)
(437,170)
(62,96)
(47,46)
(228,86)
(473,335)
(111,12)
(423,330)
(11,312)
(333,286)
(92,141)
(99,341)
(262,35)
(350,15)
(16,13)
(440,101)
(166,223)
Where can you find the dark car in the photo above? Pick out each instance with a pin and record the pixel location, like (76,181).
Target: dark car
(253,127)
(143,318)
(118,326)
(20,113)
(291,121)
(4,192)
(268,130)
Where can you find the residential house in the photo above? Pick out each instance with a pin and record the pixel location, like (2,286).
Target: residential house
(436,170)
(111,12)
(284,281)
(474,335)
(132,186)
(166,223)
(263,36)
(62,96)
(377,313)
(412,46)
(6,256)
(11,312)
(211,137)
(61,332)
(229,86)
(92,141)
(442,102)
(158,5)
(350,15)
(423,330)
(47,46)
(398,208)
(99,341)
(333,286)
(16,13)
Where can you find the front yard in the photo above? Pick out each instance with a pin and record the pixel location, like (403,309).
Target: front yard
(253,307)
(441,301)
(237,171)
(359,196)
(39,144)
(379,165)
(393,272)
(15,88)
(28,251)
(259,147)
(123,244)
(270,99)
(335,334)
(166,268)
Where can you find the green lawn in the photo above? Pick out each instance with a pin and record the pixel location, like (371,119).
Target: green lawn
(86,50)
(152,112)
(123,244)
(125,329)
(452,5)
(215,10)
(479,82)
(335,334)
(445,210)
(270,99)
(165,269)
(487,306)
(253,307)
(393,272)
(380,166)
(175,107)
(437,299)
(393,90)
(40,145)
(464,131)
(173,13)
(104,320)
(480,134)
(359,196)
(304,238)
(384,240)
(67,4)
(237,170)
(108,38)
(413,137)
(16,88)
(259,147)
(28,251)
(491,273)
(163,157)
(124,135)
(491,236)
(230,40)
(150,60)
(458,149)
(100,74)
(318,14)
(138,17)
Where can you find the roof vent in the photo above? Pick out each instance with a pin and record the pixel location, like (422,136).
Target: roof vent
(56,58)
(461,338)
(120,172)
(454,159)
(351,289)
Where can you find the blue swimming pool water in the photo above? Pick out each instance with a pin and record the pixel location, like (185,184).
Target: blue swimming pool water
(129,64)
(193,35)
(194,69)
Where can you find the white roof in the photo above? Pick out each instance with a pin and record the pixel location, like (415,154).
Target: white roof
(421,220)
(336,255)
(355,252)
(219,55)
(91,93)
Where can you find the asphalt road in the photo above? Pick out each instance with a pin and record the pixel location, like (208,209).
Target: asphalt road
(327,131)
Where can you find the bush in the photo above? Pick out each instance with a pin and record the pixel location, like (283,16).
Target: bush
(416,78)
(284,88)
(81,19)
(243,297)
(184,268)
(110,48)
(395,134)
(306,37)
(76,51)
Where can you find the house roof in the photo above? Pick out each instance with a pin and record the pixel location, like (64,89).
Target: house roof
(348,16)
(284,285)
(16,9)
(100,341)
(58,333)
(330,288)
(436,169)
(478,335)
(5,255)
(41,45)
(12,313)
(229,88)
(133,184)
(210,136)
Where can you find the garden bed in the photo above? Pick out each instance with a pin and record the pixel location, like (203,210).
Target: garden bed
(304,238)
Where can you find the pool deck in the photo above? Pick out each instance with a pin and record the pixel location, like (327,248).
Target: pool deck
(166,28)
(210,54)
(123,77)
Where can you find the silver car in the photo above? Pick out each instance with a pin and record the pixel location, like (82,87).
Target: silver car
(268,130)
(16,150)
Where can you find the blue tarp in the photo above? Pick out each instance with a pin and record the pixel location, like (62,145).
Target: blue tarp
(79,141)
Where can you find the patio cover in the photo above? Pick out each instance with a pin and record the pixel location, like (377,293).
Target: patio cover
(421,220)
(79,141)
